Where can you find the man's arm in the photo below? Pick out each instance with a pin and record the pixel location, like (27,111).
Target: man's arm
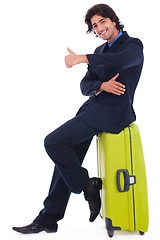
(90,83)
(130,56)
(90,86)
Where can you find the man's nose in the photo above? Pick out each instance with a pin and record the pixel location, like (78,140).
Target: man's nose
(100,28)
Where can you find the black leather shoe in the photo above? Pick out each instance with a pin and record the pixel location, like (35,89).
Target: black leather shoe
(32,228)
(92,195)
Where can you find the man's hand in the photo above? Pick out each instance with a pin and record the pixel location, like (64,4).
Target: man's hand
(112,86)
(73,59)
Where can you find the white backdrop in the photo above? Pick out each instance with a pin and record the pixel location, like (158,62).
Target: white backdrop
(38,93)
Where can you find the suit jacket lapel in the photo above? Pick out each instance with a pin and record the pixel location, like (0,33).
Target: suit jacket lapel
(119,41)
(104,48)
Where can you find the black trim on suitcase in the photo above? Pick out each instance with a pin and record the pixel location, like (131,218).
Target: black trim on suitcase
(109,225)
(130,136)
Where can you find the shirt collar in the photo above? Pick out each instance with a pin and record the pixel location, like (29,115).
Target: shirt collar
(119,34)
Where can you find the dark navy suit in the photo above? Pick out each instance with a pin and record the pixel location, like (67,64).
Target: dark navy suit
(109,112)
(68,144)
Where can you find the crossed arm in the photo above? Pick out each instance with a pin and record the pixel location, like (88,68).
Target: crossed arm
(112,86)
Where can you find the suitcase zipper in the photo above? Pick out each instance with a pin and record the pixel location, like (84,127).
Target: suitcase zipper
(132,174)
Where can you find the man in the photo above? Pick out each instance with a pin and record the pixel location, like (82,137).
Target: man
(112,77)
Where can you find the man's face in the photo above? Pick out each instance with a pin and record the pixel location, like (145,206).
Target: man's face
(104,28)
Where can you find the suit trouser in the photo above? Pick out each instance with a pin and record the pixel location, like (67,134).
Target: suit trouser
(67,147)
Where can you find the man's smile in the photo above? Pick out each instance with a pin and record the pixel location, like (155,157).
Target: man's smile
(103,32)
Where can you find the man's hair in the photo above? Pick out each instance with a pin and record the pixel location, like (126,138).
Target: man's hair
(104,11)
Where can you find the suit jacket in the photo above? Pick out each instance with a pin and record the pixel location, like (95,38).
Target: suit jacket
(106,111)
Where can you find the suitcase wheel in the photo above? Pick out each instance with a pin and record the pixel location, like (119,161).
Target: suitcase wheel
(110,233)
(141,233)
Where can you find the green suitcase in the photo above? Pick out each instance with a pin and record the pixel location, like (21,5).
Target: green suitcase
(122,170)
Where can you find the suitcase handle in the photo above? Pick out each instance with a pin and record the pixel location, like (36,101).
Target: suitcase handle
(128,180)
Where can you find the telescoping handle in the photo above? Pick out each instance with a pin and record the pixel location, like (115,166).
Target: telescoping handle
(128,180)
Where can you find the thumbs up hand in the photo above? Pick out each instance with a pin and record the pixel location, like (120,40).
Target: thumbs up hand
(73,59)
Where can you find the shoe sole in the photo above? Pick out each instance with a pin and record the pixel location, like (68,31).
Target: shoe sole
(32,232)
